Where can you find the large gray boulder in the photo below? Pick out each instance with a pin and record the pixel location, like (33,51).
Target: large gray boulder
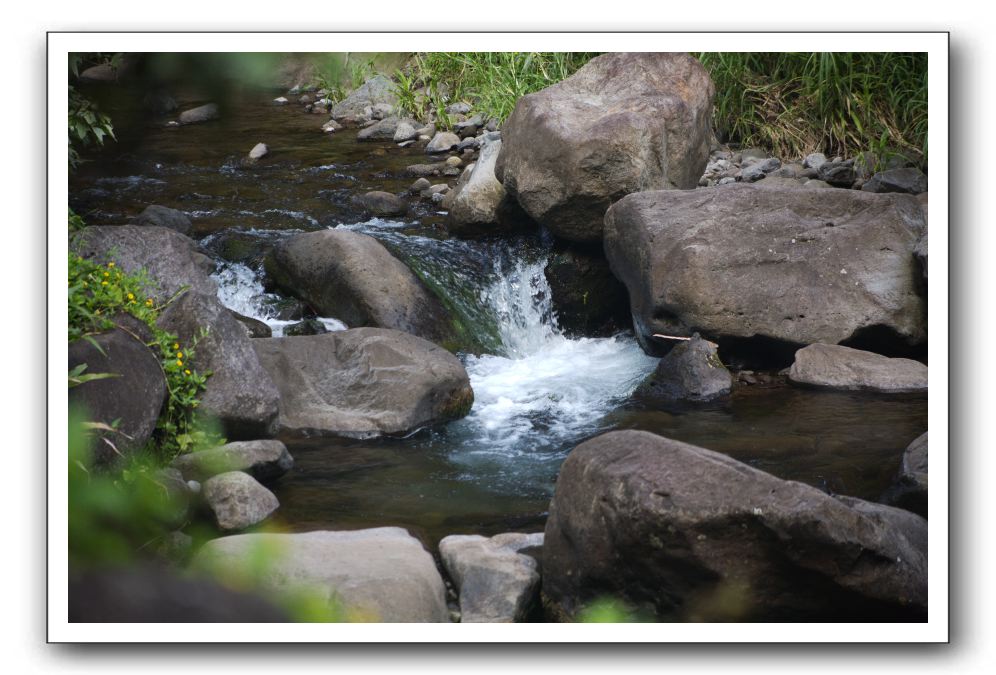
(134,396)
(364,382)
(171,259)
(237,500)
(691,371)
(263,460)
(356,107)
(239,393)
(497,582)
(837,367)
(685,533)
(162,216)
(382,574)
(910,489)
(480,205)
(623,123)
(739,261)
(352,277)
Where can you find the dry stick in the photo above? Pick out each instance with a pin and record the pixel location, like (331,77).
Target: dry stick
(678,337)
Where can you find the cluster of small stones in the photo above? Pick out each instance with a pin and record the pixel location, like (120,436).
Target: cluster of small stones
(813,171)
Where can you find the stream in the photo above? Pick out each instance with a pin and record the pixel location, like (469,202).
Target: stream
(538,393)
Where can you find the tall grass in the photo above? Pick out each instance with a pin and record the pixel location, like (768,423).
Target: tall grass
(842,103)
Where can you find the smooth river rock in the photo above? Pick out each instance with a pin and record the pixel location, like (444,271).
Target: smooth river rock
(687,534)
(364,382)
(910,489)
(837,367)
(625,122)
(691,371)
(204,113)
(264,460)
(237,500)
(743,261)
(480,204)
(162,216)
(381,574)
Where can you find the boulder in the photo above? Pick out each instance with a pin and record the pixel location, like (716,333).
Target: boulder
(238,501)
(364,382)
(381,574)
(352,277)
(383,130)
(687,534)
(204,113)
(135,396)
(837,367)
(161,216)
(171,260)
(443,141)
(480,204)
(691,371)
(380,203)
(305,327)
(357,107)
(790,265)
(263,460)
(910,489)
(623,123)
(586,296)
(239,393)
(405,131)
(909,180)
(496,583)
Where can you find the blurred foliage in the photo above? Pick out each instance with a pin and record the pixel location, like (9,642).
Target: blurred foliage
(88,126)
(610,610)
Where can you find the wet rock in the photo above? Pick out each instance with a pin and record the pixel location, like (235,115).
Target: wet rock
(497,583)
(263,460)
(433,190)
(468,144)
(908,180)
(306,327)
(423,170)
(443,141)
(419,185)
(797,266)
(331,127)
(135,396)
(305,99)
(159,102)
(204,113)
(383,130)
(910,489)
(171,260)
(480,204)
(838,367)
(161,216)
(258,152)
(364,382)
(352,277)
(238,501)
(623,123)
(380,203)
(689,534)
(280,100)
(354,108)
(691,371)
(101,73)
(254,327)
(454,161)
(405,131)
(587,297)
(239,393)
(381,574)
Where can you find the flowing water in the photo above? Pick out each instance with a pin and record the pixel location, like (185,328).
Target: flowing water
(537,392)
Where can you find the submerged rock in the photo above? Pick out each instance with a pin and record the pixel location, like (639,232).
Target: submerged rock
(364,382)
(789,265)
(623,123)
(161,216)
(381,574)
(204,113)
(691,371)
(688,534)
(238,501)
(910,489)
(839,367)
(380,203)
(497,583)
(263,460)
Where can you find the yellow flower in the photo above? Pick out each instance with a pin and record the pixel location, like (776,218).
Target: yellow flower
(176,345)
(103,283)
(149,302)
(107,274)
(179,355)
(187,372)
(179,362)
(131,296)
(110,264)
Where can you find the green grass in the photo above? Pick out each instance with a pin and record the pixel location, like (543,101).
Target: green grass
(839,103)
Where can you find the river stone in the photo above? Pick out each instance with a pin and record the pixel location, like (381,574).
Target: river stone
(838,173)
(170,258)
(331,127)
(426,169)
(443,141)
(380,203)
(910,489)
(383,130)
(759,169)
(909,180)
(419,185)
(238,393)
(625,122)
(161,216)
(237,500)
(358,106)
(586,296)
(352,277)
(135,396)
(305,327)
(838,367)
(263,460)
(364,382)
(254,327)
(814,160)
(258,152)
(496,583)
(691,371)
(204,113)
(798,266)
(458,108)
(382,574)
(687,534)
(101,73)
(405,131)
(480,204)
